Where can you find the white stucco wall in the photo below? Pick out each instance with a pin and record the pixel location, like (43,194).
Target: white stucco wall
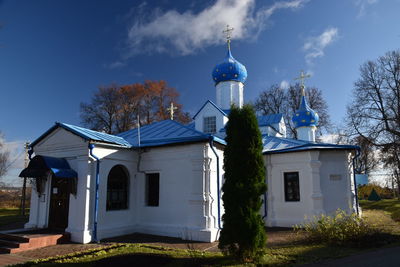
(187,204)
(336,181)
(320,192)
(208,111)
(228,93)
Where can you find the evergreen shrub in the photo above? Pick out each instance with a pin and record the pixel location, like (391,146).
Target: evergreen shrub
(243,233)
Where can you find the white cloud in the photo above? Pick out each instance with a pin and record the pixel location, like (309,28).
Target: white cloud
(115,65)
(314,46)
(187,32)
(284,84)
(362,6)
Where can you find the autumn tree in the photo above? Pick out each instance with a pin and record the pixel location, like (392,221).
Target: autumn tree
(276,99)
(374,112)
(243,234)
(114,109)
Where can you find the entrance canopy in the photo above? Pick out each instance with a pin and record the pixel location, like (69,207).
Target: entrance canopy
(43,166)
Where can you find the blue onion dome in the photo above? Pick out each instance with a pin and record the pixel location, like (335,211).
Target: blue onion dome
(229,70)
(305,116)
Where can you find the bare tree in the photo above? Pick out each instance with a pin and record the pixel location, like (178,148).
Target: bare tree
(374,112)
(286,101)
(101,113)
(368,159)
(4,158)
(114,109)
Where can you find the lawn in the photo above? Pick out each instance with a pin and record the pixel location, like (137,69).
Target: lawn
(390,206)
(12,215)
(287,250)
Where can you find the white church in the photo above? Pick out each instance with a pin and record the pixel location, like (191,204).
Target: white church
(165,178)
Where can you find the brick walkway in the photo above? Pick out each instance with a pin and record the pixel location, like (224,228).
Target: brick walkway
(7,259)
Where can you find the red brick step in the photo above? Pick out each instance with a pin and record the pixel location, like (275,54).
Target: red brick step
(17,242)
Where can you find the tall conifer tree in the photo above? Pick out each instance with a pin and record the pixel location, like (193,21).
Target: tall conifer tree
(243,233)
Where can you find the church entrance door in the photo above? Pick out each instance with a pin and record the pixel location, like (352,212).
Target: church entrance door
(59,203)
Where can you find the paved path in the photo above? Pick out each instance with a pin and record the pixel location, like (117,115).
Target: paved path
(7,259)
(387,257)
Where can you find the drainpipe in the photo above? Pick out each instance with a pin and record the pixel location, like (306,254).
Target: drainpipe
(96,203)
(265,205)
(354,178)
(218,186)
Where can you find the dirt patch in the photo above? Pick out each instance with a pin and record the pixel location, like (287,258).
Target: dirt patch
(276,237)
(57,250)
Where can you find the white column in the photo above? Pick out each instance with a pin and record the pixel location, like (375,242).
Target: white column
(80,206)
(317,197)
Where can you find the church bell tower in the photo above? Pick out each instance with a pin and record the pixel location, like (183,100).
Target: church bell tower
(229,77)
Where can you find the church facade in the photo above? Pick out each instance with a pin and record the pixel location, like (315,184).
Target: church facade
(165,178)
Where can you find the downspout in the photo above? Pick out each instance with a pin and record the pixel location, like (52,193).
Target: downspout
(354,178)
(265,194)
(265,202)
(218,185)
(96,202)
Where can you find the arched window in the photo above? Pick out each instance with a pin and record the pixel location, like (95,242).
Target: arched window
(117,188)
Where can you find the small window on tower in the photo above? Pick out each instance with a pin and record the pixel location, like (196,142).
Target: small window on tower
(210,125)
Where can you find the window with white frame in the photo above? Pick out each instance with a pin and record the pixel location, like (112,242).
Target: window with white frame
(210,124)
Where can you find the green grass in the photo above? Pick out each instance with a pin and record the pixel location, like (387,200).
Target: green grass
(11,215)
(391,206)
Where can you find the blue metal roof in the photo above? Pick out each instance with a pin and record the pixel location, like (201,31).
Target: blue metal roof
(86,134)
(229,70)
(41,166)
(164,133)
(268,120)
(272,144)
(212,103)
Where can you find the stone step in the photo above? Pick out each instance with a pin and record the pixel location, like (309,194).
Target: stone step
(8,250)
(13,243)
(9,243)
(11,237)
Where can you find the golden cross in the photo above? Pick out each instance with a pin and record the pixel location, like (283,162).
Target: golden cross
(302,77)
(171,110)
(228,33)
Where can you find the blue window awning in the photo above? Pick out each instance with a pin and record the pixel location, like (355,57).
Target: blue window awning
(43,166)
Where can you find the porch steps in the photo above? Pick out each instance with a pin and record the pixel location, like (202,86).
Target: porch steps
(18,242)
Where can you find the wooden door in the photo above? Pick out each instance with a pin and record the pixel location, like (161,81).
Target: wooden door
(59,203)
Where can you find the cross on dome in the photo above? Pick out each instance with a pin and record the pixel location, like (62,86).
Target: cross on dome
(228,33)
(302,77)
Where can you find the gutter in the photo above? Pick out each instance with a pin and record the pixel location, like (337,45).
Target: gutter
(218,185)
(96,203)
(354,179)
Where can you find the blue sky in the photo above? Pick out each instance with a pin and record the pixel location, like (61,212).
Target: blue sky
(55,54)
